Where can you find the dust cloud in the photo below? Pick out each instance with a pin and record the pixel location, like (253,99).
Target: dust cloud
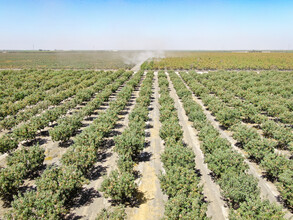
(140,57)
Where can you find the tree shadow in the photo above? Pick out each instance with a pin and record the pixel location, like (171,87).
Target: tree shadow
(44,133)
(85,197)
(39,141)
(106,144)
(103,156)
(90,118)
(66,144)
(149,126)
(144,157)
(96,172)
(73,216)
(147,134)
(114,133)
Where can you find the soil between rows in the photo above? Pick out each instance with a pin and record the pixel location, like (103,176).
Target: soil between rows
(151,166)
(216,207)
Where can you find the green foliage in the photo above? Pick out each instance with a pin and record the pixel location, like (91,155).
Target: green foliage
(25,132)
(239,188)
(257,209)
(228,117)
(243,134)
(177,155)
(283,135)
(129,143)
(179,180)
(225,161)
(31,158)
(258,149)
(10,180)
(171,128)
(37,205)
(116,213)
(125,163)
(65,128)
(20,165)
(120,187)
(182,207)
(212,143)
(64,182)
(275,164)
(7,143)
(285,186)
(80,156)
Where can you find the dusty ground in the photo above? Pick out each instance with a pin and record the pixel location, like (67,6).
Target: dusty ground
(150,167)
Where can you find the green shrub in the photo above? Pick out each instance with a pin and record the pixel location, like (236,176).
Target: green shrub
(116,213)
(37,205)
(257,209)
(182,207)
(239,188)
(285,186)
(179,180)
(225,161)
(64,182)
(7,143)
(120,187)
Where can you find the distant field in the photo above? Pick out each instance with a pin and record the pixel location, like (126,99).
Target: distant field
(223,60)
(68,59)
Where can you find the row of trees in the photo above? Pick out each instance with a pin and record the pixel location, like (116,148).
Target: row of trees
(120,185)
(21,164)
(12,177)
(17,85)
(180,180)
(223,60)
(230,110)
(54,97)
(68,125)
(268,93)
(58,186)
(259,149)
(79,88)
(28,131)
(228,167)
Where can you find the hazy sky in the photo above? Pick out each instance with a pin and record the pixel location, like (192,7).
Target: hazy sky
(162,24)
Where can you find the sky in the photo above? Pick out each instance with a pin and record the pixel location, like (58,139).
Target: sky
(146,25)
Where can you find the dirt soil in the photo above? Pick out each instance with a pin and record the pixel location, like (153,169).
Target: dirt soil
(150,167)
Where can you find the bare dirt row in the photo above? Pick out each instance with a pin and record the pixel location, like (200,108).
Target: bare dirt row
(216,207)
(151,166)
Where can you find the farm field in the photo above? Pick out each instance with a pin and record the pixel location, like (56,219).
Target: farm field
(68,59)
(217,60)
(148,144)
